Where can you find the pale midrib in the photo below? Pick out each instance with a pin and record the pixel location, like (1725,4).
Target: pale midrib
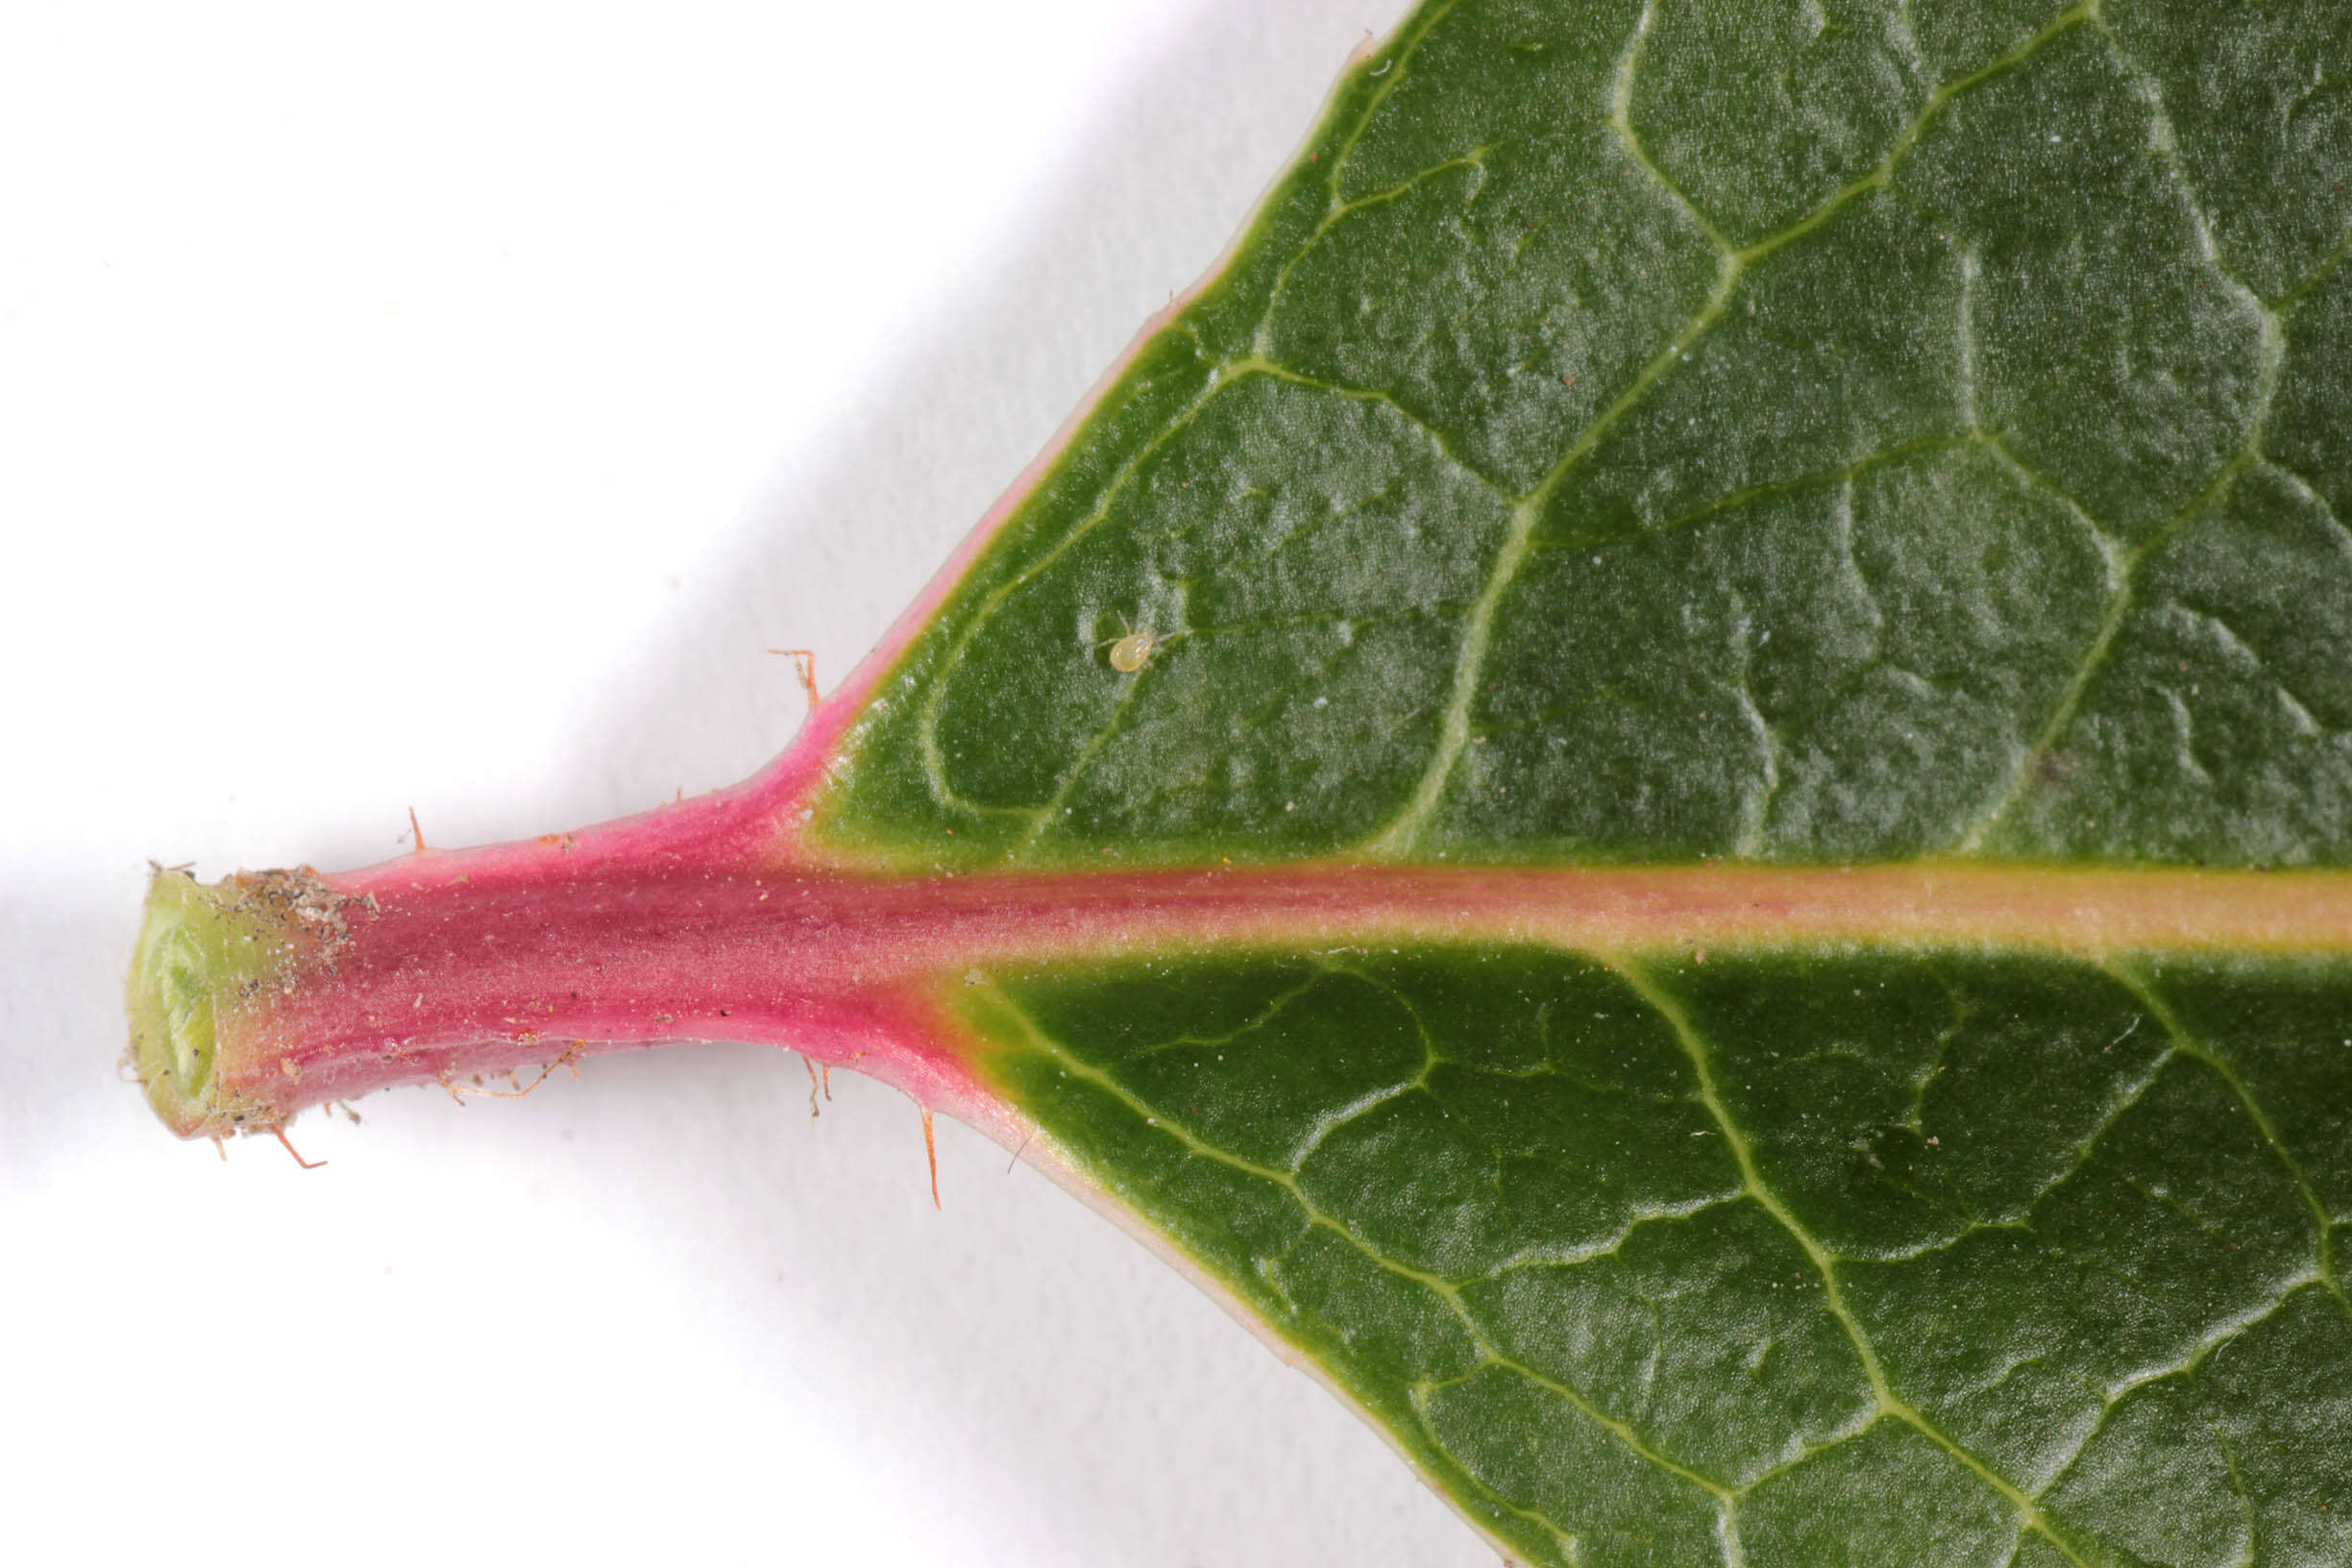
(1915,907)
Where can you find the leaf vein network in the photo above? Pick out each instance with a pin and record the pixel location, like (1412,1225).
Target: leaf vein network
(2186,1045)
(1402,832)
(1445,1289)
(1824,1262)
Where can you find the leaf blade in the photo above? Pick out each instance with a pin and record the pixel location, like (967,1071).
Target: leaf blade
(1931,347)
(1658,435)
(1552,1242)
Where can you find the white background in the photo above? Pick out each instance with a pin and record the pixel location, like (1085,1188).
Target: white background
(445,405)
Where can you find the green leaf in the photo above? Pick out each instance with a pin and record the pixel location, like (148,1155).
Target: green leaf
(1695,431)
(1728,431)
(1790,1257)
(1670,781)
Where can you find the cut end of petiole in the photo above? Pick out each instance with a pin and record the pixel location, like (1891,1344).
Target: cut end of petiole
(187,947)
(207,957)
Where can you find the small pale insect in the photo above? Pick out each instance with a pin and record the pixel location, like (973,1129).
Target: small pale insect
(1132,650)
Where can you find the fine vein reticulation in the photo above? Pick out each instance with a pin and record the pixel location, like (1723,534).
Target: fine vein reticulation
(1698,436)
(1566,464)
(1702,1355)
(1670,780)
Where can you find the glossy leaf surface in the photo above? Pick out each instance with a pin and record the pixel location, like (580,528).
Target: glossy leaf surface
(1695,429)
(1671,780)
(1782,1258)
(1655,433)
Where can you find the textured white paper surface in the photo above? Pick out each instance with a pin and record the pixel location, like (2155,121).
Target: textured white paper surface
(446,405)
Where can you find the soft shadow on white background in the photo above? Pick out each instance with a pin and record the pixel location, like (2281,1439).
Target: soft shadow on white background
(444,408)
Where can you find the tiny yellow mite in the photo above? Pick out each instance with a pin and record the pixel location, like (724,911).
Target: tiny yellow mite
(1132,650)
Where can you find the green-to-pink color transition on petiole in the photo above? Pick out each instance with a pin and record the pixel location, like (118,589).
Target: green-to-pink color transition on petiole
(1669,782)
